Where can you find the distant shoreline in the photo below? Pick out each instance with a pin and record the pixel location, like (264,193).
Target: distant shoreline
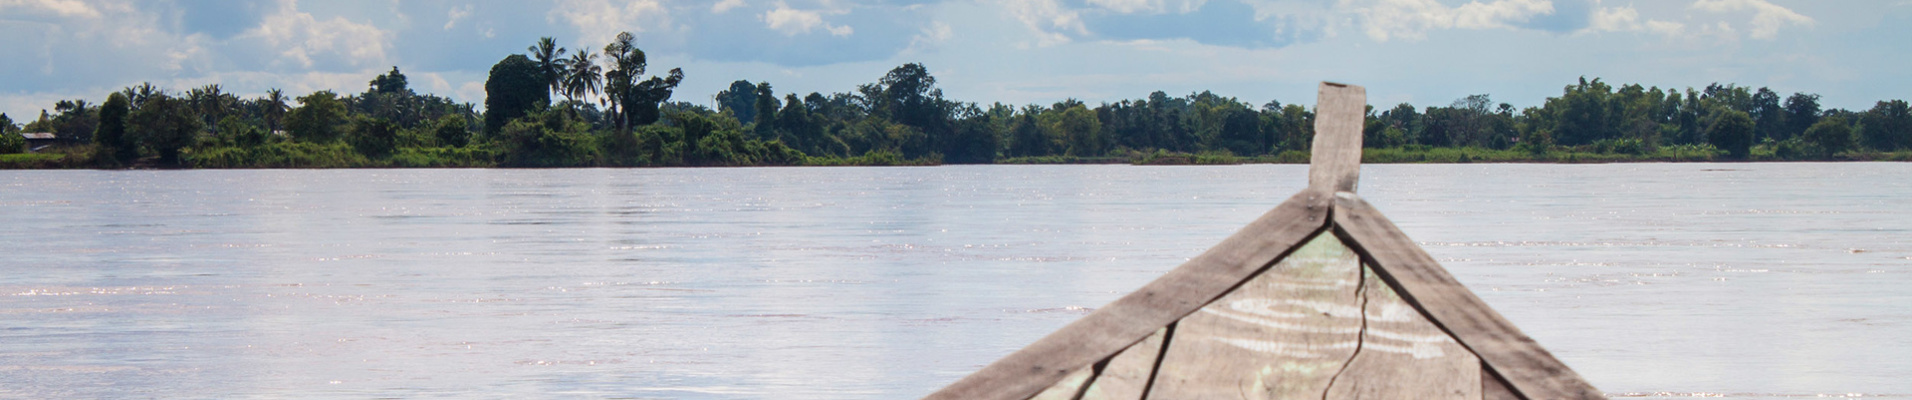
(543,111)
(1434,155)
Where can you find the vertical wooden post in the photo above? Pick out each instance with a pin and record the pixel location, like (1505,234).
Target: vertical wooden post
(1340,114)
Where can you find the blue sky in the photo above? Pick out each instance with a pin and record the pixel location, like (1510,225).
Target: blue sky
(1428,52)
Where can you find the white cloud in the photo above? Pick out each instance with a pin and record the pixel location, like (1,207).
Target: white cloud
(1049,19)
(1665,28)
(455,14)
(128,33)
(725,6)
(69,50)
(1627,19)
(472,91)
(792,22)
(1411,19)
(935,34)
(839,30)
(435,81)
(63,8)
(598,21)
(302,38)
(1149,6)
(1296,17)
(1767,17)
(1616,19)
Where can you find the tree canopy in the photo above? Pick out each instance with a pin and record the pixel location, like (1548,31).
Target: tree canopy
(516,86)
(115,147)
(615,113)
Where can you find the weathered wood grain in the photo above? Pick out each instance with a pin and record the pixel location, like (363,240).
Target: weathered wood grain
(1492,388)
(1528,369)
(1128,320)
(1128,374)
(1403,356)
(1335,161)
(1069,387)
(1282,335)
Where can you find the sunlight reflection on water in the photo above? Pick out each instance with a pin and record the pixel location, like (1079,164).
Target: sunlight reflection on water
(1652,280)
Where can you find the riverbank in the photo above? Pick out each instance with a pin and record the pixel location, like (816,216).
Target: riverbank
(303,155)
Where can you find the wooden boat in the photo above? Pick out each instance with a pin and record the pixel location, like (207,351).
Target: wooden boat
(1320,298)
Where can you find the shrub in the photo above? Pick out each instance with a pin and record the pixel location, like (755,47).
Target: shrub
(452,130)
(374,137)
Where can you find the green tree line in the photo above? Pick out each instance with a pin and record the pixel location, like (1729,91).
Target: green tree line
(559,107)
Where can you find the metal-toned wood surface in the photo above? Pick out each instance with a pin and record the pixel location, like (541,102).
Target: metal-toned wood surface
(1284,334)
(1128,320)
(1068,388)
(1128,374)
(1403,356)
(1528,369)
(1335,161)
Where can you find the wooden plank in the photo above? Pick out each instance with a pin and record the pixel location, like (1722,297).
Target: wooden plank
(1403,356)
(1128,374)
(1282,335)
(1069,387)
(1528,369)
(1493,388)
(1340,114)
(1128,320)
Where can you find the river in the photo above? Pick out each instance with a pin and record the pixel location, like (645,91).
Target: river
(1749,281)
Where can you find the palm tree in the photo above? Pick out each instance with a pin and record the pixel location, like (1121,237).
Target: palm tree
(213,102)
(275,107)
(550,60)
(200,100)
(584,77)
(139,94)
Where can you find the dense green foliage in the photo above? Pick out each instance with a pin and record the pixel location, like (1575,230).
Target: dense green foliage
(167,125)
(115,147)
(1887,125)
(1733,132)
(516,86)
(903,118)
(10,140)
(1827,137)
(319,120)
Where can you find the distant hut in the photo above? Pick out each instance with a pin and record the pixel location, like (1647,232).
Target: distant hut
(39,140)
(1320,298)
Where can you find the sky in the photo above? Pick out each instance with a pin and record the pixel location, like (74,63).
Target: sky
(1426,52)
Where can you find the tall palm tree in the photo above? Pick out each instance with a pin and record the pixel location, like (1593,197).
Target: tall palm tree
(275,107)
(199,100)
(584,77)
(139,94)
(550,60)
(213,104)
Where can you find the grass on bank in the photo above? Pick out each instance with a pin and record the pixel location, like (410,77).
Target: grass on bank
(1404,155)
(57,158)
(342,155)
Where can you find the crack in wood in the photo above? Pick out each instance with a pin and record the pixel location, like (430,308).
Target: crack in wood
(1095,372)
(1168,335)
(1361,338)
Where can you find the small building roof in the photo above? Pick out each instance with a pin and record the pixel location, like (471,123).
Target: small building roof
(38,135)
